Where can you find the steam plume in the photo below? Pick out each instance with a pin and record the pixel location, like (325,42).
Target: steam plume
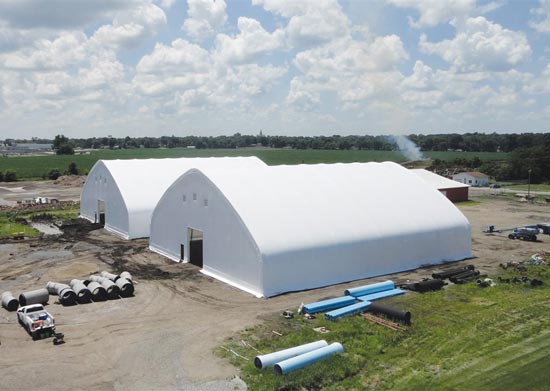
(407,147)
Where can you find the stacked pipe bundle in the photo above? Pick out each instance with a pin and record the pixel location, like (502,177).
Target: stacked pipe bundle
(288,360)
(464,276)
(426,285)
(369,289)
(349,310)
(125,283)
(9,302)
(329,304)
(83,294)
(113,291)
(66,295)
(356,300)
(452,272)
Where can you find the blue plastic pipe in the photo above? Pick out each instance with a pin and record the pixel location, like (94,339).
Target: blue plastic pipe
(303,360)
(329,304)
(381,295)
(368,289)
(349,310)
(267,360)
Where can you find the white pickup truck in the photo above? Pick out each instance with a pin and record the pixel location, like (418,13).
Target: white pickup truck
(37,321)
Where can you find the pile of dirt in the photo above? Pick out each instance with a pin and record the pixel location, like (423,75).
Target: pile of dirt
(70,180)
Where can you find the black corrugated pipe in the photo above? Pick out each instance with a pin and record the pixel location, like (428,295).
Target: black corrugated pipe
(451,272)
(391,312)
(425,286)
(429,285)
(464,276)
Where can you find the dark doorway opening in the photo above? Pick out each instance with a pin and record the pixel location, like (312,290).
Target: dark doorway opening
(101,211)
(182,252)
(195,247)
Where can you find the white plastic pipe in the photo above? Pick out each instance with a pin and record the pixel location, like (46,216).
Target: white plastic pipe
(267,360)
(303,360)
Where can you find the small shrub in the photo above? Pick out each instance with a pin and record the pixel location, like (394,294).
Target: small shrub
(10,176)
(54,174)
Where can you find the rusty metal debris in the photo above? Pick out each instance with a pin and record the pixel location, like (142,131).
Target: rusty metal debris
(383,322)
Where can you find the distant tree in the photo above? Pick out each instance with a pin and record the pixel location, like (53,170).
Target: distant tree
(73,170)
(10,176)
(54,174)
(65,149)
(1,176)
(62,146)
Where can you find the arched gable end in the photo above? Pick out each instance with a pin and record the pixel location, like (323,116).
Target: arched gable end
(230,253)
(101,185)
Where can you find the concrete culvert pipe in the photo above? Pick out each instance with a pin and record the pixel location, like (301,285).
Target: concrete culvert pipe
(125,286)
(98,292)
(66,295)
(38,296)
(9,302)
(83,294)
(127,276)
(267,360)
(110,276)
(113,291)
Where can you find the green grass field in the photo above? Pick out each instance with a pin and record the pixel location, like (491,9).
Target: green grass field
(34,167)
(462,338)
(13,221)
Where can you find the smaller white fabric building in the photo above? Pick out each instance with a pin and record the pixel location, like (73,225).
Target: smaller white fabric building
(123,193)
(453,190)
(286,228)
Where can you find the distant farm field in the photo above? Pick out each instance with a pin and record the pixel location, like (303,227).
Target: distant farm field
(34,167)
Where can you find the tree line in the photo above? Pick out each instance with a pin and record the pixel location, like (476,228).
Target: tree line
(471,142)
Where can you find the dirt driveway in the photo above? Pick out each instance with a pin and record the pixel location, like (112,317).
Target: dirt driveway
(163,338)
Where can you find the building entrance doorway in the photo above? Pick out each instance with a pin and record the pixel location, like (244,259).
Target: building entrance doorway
(195,246)
(101,212)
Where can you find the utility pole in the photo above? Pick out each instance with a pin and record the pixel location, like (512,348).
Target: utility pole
(529,186)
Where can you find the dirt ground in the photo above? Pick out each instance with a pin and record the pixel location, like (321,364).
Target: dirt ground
(164,337)
(65,188)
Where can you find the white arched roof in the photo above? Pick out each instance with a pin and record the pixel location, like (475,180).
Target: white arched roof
(131,188)
(270,230)
(437,181)
(294,207)
(143,181)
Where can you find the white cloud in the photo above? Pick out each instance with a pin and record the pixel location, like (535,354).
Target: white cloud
(251,42)
(434,12)
(187,76)
(64,51)
(353,70)
(60,14)
(205,18)
(166,4)
(130,28)
(542,13)
(480,45)
(311,22)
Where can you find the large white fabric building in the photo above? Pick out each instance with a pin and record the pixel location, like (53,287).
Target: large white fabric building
(271,230)
(123,193)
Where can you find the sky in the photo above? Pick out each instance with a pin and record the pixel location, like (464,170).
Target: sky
(92,68)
